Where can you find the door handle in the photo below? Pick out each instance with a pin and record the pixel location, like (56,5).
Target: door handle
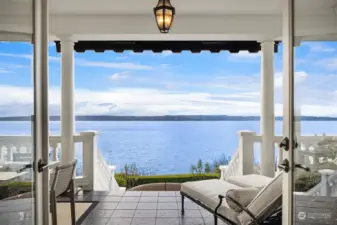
(300,166)
(284,166)
(285,144)
(27,166)
(41,166)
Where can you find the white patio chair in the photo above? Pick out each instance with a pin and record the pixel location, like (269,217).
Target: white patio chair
(63,184)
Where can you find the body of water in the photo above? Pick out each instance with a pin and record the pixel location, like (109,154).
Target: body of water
(169,146)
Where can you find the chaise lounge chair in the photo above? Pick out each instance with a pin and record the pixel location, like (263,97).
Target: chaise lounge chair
(238,201)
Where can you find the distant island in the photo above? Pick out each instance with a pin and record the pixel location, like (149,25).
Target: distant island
(167,118)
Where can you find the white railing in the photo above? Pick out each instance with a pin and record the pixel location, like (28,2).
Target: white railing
(308,153)
(12,146)
(242,161)
(232,169)
(96,173)
(327,186)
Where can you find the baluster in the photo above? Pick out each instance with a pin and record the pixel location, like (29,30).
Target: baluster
(54,146)
(1,154)
(9,154)
(325,187)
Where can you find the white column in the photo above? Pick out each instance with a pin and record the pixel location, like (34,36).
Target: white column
(67,102)
(267,160)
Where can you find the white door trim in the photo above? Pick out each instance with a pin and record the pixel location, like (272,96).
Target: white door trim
(41,121)
(288,107)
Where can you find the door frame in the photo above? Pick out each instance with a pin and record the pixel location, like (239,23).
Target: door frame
(288,107)
(40,39)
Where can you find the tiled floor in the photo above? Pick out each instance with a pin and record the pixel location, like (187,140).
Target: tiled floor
(16,212)
(134,208)
(146,208)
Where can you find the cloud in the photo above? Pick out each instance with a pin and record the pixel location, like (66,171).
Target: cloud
(6,68)
(18,101)
(320,47)
(111,65)
(27,56)
(245,55)
(5,71)
(300,76)
(166,53)
(165,66)
(328,63)
(119,76)
(122,57)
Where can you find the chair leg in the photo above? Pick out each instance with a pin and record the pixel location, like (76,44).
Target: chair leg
(215,220)
(53,207)
(72,203)
(182,204)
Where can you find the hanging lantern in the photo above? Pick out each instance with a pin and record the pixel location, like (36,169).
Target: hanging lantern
(164,13)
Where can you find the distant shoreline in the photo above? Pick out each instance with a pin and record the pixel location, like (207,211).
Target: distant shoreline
(168,118)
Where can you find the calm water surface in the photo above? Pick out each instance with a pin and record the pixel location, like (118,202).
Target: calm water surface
(166,147)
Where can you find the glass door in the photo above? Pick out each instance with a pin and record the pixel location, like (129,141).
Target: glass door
(310,186)
(24,136)
(18,151)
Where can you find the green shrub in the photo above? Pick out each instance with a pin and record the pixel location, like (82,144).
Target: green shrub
(307,181)
(121,179)
(14,188)
(133,181)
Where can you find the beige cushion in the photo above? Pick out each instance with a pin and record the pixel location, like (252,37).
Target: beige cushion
(207,192)
(267,196)
(268,199)
(243,196)
(250,180)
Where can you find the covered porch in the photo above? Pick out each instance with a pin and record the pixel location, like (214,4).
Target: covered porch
(234,26)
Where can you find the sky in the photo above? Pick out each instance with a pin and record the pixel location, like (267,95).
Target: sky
(170,84)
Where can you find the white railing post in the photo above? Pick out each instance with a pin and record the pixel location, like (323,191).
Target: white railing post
(325,188)
(1,154)
(246,152)
(222,169)
(89,157)
(54,146)
(9,153)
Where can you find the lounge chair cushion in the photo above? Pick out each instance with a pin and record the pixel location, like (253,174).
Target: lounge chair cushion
(243,196)
(250,180)
(264,200)
(207,192)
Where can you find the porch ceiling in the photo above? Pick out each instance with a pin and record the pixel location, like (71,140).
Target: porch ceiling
(174,46)
(197,20)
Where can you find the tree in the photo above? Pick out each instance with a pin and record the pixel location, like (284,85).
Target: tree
(200,166)
(223,160)
(193,169)
(126,169)
(134,169)
(207,167)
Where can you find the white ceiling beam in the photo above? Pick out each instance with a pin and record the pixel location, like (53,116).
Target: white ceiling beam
(228,27)
(147,24)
